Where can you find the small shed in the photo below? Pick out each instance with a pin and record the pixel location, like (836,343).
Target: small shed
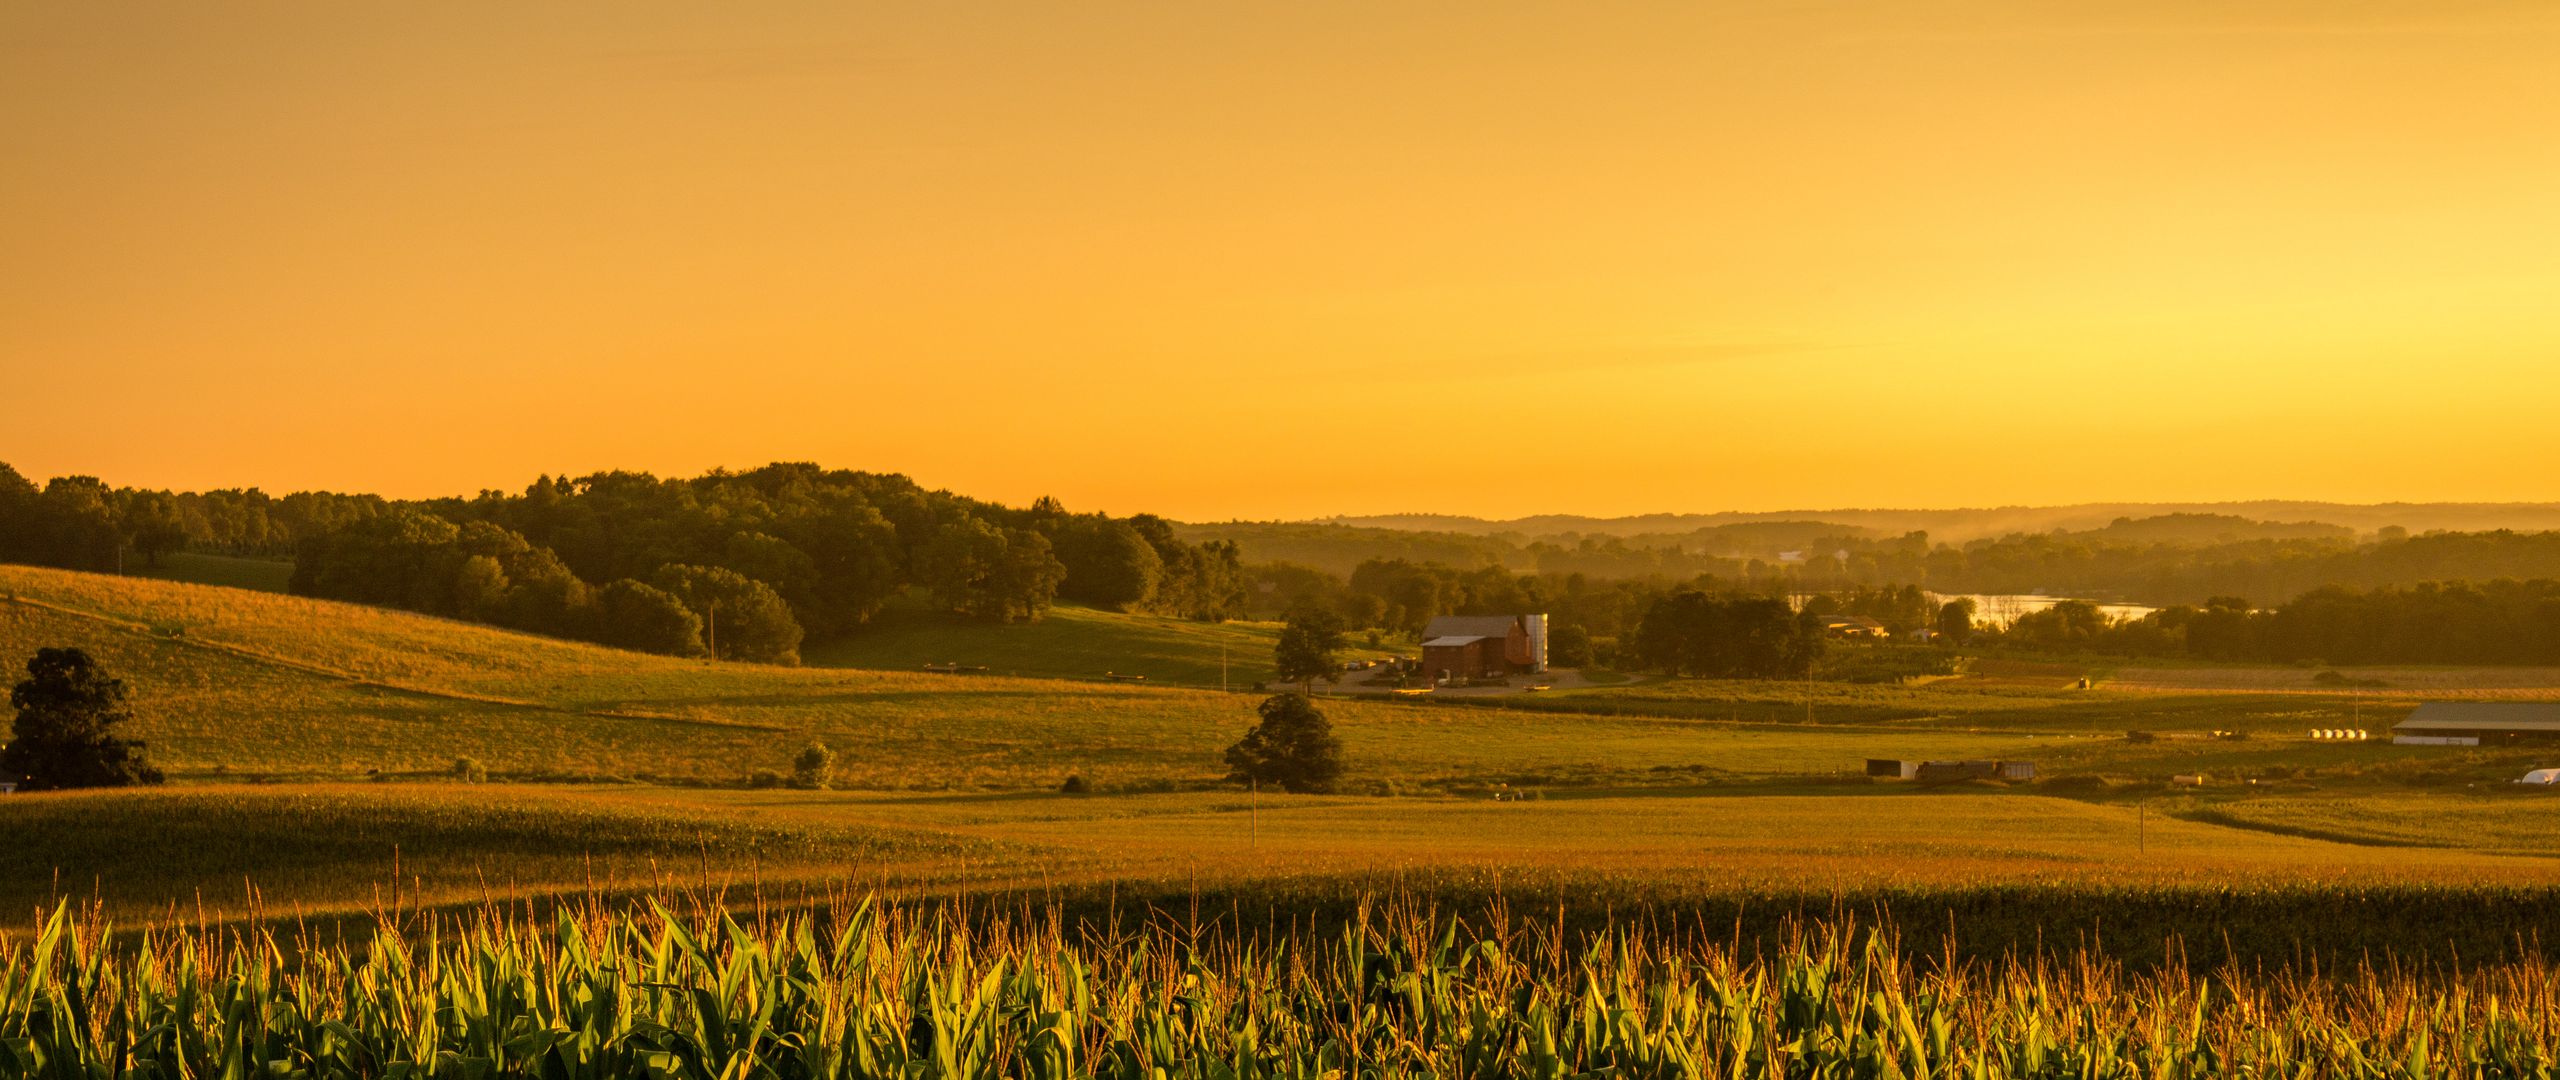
(1891,768)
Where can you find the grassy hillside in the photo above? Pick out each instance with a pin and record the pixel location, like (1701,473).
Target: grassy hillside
(1071,643)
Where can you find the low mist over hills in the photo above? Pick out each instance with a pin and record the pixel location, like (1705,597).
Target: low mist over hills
(1959,525)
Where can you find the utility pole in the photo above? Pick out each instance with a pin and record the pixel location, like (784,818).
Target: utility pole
(1222,667)
(711,630)
(2142,827)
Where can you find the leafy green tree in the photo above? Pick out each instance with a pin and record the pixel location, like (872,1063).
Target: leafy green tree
(152,523)
(1027,579)
(1309,643)
(1735,637)
(1955,619)
(742,618)
(855,551)
(20,504)
(480,589)
(1805,647)
(1361,610)
(635,615)
(535,591)
(815,768)
(2070,625)
(76,524)
(1108,563)
(774,561)
(1569,646)
(403,559)
(2222,631)
(63,737)
(1292,747)
(976,569)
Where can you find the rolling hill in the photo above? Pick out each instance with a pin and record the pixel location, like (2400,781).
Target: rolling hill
(1073,642)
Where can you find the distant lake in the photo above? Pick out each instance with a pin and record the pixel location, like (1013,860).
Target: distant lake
(2003,608)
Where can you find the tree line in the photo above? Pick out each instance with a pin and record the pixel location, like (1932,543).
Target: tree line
(2455,622)
(82,523)
(2166,559)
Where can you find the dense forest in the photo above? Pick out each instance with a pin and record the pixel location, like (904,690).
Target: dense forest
(736,565)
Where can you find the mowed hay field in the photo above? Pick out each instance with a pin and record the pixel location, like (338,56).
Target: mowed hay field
(230,683)
(2382,684)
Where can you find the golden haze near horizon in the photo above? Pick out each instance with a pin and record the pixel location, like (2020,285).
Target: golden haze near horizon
(1215,261)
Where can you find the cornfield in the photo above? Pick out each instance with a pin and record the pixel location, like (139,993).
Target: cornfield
(862,989)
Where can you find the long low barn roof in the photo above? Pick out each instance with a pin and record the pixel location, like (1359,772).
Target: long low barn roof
(1471,626)
(2483,716)
(1451,642)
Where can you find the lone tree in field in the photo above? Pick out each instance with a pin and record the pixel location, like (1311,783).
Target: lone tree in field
(815,768)
(62,738)
(1292,747)
(1307,647)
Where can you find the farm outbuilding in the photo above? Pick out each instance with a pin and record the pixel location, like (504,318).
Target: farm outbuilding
(1938,771)
(1854,627)
(2488,722)
(1484,646)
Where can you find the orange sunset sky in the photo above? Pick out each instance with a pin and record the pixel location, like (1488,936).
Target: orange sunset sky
(1214,259)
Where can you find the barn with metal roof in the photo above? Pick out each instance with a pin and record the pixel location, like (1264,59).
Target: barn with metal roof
(2485,721)
(1481,646)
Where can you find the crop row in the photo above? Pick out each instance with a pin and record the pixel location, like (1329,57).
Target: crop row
(870,991)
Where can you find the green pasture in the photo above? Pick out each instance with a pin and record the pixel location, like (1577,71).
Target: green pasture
(1072,642)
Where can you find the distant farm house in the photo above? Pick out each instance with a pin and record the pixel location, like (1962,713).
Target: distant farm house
(1853,626)
(1484,646)
(2476,723)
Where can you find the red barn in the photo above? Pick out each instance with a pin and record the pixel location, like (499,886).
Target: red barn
(1484,646)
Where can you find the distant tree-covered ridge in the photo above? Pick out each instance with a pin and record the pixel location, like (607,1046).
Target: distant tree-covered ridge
(2173,559)
(734,565)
